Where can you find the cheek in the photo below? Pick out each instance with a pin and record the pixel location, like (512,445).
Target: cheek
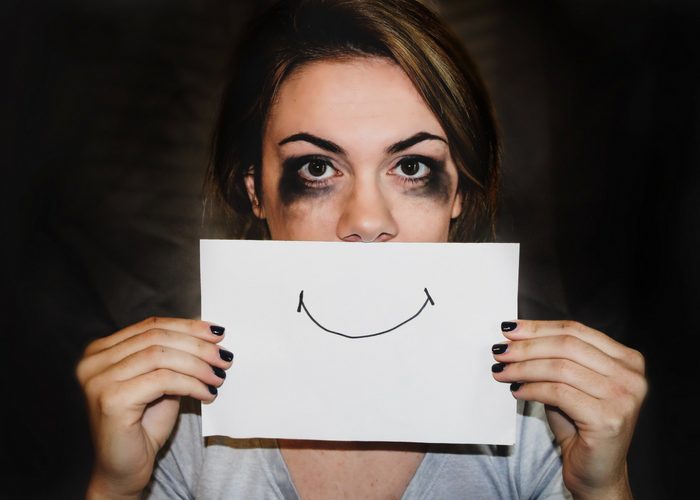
(425,214)
(295,211)
(307,218)
(438,189)
(424,220)
(292,189)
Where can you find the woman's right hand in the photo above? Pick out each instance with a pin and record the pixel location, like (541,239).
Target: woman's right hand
(133,381)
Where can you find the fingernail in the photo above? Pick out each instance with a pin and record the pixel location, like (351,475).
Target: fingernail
(515,386)
(218,372)
(499,348)
(217,330)
(508,326)
(212,390)
(498,367)
(226,355)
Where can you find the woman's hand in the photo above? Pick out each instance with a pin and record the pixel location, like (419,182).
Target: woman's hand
(593,388)
(132,381)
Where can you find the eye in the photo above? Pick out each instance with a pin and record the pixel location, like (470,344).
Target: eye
(316,169)
(412,168)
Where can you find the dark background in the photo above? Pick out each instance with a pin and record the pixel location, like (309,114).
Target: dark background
(107,112)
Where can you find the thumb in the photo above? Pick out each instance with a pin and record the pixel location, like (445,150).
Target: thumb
(561,425)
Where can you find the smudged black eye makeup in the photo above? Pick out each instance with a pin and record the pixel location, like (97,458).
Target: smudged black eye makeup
(305,176)
(424,176)
(311,176)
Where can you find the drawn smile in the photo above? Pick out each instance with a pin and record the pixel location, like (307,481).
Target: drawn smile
(301,306)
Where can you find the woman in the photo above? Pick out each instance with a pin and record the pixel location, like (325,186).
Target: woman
(358,121)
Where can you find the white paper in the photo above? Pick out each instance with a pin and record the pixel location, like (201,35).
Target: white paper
(427,380)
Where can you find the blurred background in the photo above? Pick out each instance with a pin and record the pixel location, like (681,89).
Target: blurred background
(107,113)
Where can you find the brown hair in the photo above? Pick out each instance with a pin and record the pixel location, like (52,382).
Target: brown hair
(295,32)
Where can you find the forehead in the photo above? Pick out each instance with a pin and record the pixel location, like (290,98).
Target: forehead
(365,99)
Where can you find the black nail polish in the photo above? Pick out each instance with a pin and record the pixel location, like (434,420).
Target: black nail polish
(499,348)
(226,355)
(515,386)
(212,390)
(218,372)
(508,326)
(498,367)
(217,330)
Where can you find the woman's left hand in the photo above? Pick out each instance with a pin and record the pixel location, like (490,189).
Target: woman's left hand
(593,388)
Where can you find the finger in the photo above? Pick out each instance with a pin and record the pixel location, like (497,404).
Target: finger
(560,347)
(583,409)
(160,357)
(522,329)
(562,371)
(592,417)
(195,328)
(132,396)
(207,351)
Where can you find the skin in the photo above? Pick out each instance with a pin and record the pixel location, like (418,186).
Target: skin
(132,382)
(364,107)
(354,117)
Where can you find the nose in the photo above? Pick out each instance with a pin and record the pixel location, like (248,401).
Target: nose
(366,215)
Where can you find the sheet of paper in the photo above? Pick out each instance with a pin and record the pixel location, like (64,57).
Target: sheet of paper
(361,342)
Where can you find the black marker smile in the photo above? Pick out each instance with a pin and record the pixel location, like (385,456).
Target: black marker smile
(301,306)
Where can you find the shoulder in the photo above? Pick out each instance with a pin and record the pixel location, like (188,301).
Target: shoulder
(531,468)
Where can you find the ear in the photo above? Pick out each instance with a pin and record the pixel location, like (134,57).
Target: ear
(457,204)
(252,196)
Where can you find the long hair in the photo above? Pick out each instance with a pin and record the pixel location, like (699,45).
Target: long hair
(292,33)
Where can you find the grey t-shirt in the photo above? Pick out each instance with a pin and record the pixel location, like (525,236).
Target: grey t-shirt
(218,467)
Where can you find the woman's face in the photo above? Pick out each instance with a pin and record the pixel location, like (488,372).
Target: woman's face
(352,153)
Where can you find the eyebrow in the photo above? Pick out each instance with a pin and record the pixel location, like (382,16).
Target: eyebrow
(414,139)
(334,148)
(316,141)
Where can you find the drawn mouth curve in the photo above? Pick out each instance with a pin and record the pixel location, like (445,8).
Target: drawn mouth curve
(301,306)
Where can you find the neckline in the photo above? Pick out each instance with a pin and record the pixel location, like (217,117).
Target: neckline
(416,485)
